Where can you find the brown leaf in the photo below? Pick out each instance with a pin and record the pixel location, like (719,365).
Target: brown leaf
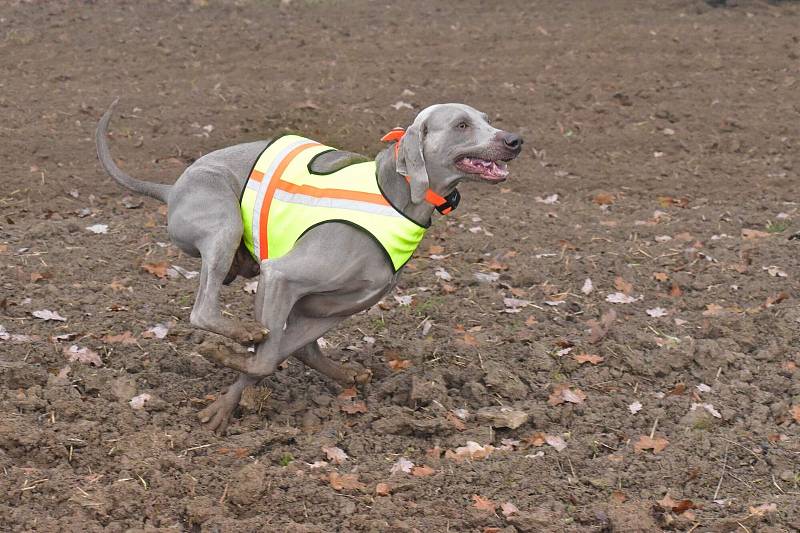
(537,439)
(646,443)
(354,407)
(456,422)
(587,358)
(399,364)
(83,355)
(470,340)
(422,471)
(795,411)
(675,291)
(123,338)
(562,393)
(37,276)
(763,509)
(508,509)
(623,286)
(679,389)
(669,201)
(775,299)
(348,394)
(618,496)
(157,269)
(660,276)
(603,198)
(335,454)
(600,328)
(435,249)
(754,234)
(382,489)
(483,504)
(496,265)
(713,310)
(345,481)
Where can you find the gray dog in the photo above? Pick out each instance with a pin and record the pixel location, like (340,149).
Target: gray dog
(334,268)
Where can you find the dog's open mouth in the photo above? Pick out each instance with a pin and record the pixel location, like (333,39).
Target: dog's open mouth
(494,171)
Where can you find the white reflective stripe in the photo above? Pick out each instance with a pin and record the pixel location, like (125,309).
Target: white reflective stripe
(336,203)
(253,185)
(263,190)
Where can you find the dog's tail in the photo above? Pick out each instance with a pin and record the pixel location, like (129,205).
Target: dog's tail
(154,190)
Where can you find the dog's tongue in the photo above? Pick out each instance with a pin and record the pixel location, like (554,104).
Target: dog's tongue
(488,169)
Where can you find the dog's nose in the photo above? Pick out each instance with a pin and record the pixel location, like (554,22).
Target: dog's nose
(512,141)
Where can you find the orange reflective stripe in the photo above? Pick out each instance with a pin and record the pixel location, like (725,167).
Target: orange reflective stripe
(273,184)
(257,176)
(339,194)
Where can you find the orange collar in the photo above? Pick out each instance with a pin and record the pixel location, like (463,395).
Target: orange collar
(442,204)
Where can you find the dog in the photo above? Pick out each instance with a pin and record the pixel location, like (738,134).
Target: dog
(334,267)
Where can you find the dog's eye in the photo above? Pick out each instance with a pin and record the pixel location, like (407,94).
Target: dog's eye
(463,125)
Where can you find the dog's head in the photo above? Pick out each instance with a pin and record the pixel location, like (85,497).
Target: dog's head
(448,143)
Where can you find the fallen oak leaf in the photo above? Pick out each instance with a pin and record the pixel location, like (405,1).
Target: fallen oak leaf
(83,355)
(123,338)
(402,465)
(623,286)
(754,234)
(588,358)
(345,481)
(399,364)
(508,509)
(159,270)
(537,439)
(335,454)
(645,442)
(603,198)
(562,393)
(483,504)
(383,489)
(422,471)
(795,412)
(660,276)
(600,328)
(556,442)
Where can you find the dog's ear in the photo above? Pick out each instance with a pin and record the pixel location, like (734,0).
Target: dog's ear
(411,159)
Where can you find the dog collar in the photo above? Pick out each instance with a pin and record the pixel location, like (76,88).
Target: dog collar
(443,204)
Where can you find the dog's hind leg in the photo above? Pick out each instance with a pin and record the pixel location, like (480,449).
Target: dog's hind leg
(209,224)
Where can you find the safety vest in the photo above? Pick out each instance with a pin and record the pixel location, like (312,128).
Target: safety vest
(283,198)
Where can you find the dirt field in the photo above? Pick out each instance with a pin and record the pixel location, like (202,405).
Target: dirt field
(670,133)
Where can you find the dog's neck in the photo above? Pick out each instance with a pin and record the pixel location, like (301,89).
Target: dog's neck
(398,191)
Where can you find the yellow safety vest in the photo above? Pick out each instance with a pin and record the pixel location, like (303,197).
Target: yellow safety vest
(283,198)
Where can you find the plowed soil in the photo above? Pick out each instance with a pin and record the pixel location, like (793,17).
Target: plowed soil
(670,133)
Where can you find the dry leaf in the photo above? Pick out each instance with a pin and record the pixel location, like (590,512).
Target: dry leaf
(657,312)
(635,407)
(402,465)
(123,338)
(345,481)
(556,442)
(159,331)
(508,509)
(157,269)
(587,287)
(422,471)
(675,291)
(621,285)
(603,198)
(399,364)
(713,310)
(83,355)
(354,407)
(472,450)
(660,276)
(46,314)
(483,504)
(383,489)
(754,234)
(562,393)
(618,496)
(600,328)
(588,358)
(646,443)
(435,249)
(763,509)
(795,411)
(537,439)
(620,298)
(138,402)
(335,454)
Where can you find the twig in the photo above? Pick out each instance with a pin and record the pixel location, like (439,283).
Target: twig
(224,494)
(722,475)
(776,485)
(653,431)
(743,526)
